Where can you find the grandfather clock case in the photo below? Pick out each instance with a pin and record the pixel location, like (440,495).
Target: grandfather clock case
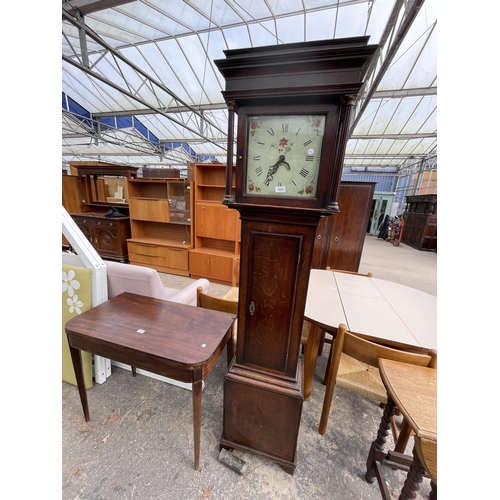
(284,89)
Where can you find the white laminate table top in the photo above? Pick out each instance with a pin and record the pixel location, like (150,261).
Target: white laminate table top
(323,305)
(375,308)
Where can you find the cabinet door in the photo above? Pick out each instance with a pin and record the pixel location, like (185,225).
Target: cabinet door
(85,227)
(210,265)
(105,236)
(152,210)
(343,234)
(216,221)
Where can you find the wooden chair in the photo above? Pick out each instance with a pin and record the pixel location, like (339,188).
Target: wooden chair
(358,349)
(224,305)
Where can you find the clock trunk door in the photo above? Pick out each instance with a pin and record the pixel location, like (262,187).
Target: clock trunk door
(272,296)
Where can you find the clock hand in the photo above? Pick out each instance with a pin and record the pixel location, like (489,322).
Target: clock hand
(274,168)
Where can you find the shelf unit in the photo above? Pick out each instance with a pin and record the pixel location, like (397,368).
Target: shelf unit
(94,186)
(217,233)
(160,220)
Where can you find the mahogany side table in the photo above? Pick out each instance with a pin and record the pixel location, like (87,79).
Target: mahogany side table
(174,340)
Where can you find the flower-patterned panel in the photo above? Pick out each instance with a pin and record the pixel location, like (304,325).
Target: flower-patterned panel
(76,299)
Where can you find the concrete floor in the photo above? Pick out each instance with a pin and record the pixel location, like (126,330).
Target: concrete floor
(139,441)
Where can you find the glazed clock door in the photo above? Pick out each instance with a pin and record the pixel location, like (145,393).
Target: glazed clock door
(283,154)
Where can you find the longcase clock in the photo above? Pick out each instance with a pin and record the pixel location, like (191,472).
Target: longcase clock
(293,104)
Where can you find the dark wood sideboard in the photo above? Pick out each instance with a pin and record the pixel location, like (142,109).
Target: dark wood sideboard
(420,222)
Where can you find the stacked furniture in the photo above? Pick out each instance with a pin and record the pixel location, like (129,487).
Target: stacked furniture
(101,185)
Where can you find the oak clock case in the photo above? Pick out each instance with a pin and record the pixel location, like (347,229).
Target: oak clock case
(285,155)
(293,103)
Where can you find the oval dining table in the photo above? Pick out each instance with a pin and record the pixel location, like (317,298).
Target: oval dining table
(381,311)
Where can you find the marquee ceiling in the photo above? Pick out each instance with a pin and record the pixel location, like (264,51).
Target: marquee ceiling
(139,84)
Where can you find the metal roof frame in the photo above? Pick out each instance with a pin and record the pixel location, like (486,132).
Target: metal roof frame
(153,60)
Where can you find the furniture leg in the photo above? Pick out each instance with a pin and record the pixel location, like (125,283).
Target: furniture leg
(321,343)
(230,348)
(310,359)
(377,447)
(433,493)
(413,479)
(404,436)
(76,358)
(197,386)
(134,371)
(330,355)
(327,402)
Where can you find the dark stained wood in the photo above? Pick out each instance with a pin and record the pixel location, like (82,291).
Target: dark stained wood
(263,387)
(178,341)
(420,222)
(277,252)
(340,238)
(108,235)
(260,418)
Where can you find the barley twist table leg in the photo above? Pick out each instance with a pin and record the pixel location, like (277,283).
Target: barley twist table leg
(377,446)
(413,479)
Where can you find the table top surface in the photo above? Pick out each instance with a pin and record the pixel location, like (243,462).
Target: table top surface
(374,308)
(183,334)
(414,390)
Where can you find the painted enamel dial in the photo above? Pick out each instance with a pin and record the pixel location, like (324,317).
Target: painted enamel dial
(283,154)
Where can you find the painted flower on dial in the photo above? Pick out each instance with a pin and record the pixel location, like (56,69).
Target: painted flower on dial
(74,304)
(317,122)
(251,186)
(309,189)
(69,283)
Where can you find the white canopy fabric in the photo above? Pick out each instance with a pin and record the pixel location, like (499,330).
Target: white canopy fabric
(140,87)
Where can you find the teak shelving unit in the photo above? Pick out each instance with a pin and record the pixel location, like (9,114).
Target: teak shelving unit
(217,233)
(160,220)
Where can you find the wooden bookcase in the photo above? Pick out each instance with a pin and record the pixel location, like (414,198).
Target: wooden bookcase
(160,220)
(97,186)
(217,233)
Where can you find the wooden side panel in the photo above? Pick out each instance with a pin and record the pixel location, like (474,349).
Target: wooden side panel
(260,418)
(340,238)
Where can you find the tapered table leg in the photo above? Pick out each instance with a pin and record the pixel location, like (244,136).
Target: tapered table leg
(197,386)
(76,358)
(310,359)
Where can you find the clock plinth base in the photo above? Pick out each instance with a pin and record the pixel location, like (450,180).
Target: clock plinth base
(262,414)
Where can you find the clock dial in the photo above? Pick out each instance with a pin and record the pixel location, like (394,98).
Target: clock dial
(283,154)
